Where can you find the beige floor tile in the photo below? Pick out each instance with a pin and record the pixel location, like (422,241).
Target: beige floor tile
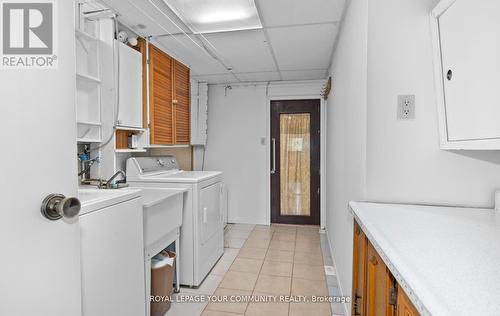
(257,243)
(234,242)
(248,227)
(312,259)
(284,236)
(252,253)
(213,313)
(207,287)
(308,309)
(279,255)
(183,309)
(229,254)
(238,233)
(277,268)
(308,242)
(308,287)
(308,238)
(263,227)
(267,309)
(309,247)
(282,245)
(229,306)
(285,228)
(221,267)
(309,272)
(273,285)
(308,230)
(246,265)
(239,280)
(261,234)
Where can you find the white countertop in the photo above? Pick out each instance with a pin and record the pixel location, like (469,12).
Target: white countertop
(93,199)
(446,258)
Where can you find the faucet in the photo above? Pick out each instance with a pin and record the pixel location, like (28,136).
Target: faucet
(108,184)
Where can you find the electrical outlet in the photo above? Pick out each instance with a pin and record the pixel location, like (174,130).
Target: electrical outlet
(406,107)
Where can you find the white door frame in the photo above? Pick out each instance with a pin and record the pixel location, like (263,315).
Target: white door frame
(322,151)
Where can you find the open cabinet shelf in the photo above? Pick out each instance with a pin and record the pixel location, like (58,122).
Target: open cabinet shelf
(88,78)
(82,35)
(88,82)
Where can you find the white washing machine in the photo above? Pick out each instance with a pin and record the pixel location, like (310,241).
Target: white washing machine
(202,230)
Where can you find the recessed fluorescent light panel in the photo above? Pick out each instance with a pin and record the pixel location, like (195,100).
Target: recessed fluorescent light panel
(212,16)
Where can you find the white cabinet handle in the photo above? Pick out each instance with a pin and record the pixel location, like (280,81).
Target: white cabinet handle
(205,215)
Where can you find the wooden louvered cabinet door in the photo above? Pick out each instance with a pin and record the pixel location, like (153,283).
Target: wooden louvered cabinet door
(182,104)
(160,97)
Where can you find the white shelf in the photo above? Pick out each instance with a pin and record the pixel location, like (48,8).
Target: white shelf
(88,140)
(133,129)
(89,123)
(128,150)
(85,36)
(88,78)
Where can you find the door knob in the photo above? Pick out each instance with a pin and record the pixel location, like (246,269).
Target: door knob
(57,206)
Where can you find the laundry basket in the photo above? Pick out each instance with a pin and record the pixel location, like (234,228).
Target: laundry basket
(162,277)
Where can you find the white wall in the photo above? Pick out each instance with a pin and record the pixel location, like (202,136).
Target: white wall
(346,121)
(238,142)
(386,46)
(236,124)
(404,160)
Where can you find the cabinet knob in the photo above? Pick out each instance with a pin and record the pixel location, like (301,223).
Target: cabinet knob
(374,260)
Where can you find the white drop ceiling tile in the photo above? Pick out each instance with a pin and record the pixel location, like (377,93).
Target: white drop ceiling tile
(304,74)
(184,49)
(216,79)
(244,51)
(147,17)
(259,76)
(293,12)
(303,47)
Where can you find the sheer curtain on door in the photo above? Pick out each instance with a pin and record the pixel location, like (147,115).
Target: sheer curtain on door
(295,165)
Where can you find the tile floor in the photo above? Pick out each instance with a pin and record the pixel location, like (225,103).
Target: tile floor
(267,261)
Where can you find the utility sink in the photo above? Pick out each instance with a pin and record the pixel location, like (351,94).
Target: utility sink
(163,210)
(95,199)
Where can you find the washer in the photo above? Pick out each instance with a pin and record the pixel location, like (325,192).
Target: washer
(202,230)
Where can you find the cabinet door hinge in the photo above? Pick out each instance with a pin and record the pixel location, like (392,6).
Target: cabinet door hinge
(393,295)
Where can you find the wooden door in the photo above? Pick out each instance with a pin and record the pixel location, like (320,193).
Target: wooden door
(405,306)
(40,266)
(295,161)
(377,281)
(359,272)
(160,104)
(182,104)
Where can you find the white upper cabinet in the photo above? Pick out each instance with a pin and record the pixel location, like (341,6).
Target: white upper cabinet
(466,36)
(130,92)
(199,112)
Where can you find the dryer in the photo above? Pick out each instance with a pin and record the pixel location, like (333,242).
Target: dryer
(202,230)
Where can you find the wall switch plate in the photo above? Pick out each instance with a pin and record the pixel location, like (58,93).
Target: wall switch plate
(406,107)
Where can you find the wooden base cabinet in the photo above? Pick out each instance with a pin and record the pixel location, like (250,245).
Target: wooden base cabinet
(405,306)
(375,291)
